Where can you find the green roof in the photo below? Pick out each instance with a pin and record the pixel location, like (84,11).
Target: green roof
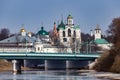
(42,32)
(76,27)
(61,25)
(101,41)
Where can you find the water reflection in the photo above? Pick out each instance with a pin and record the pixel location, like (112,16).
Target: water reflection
(47,75)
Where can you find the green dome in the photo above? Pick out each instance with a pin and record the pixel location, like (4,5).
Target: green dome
(42,32)
(61,25)
(69,17)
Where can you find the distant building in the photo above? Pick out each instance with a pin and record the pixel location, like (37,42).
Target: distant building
(43,35)
(68,33)
(55,39)
(21,39)
(20,42)
(100,42)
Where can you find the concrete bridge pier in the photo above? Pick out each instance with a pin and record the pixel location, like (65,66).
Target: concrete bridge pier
(16,66)
(46,66)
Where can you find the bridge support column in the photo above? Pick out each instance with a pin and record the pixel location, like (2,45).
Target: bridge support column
(16,67)
(67,64)
(46,65)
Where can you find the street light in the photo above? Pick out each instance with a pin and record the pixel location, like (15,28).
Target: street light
(88,41)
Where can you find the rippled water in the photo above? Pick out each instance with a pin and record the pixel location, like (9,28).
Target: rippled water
(47,75)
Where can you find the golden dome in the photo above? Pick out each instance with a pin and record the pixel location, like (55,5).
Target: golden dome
(22,30)
(29,32)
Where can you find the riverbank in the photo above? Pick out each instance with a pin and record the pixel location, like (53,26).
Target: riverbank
(101,75)
(7,66)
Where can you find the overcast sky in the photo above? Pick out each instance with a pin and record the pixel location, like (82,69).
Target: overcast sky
(34,13)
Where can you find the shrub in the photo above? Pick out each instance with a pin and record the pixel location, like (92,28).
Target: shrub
(104,62)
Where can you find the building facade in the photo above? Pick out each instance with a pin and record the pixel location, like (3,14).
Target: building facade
(99,41)
(68,33)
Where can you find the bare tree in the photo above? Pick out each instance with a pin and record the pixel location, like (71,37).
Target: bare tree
(114,31)
(4,33)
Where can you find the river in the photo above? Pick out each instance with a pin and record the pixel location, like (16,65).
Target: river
(51,75)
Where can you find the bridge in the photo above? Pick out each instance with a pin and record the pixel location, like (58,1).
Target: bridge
(48,56)
(16,56)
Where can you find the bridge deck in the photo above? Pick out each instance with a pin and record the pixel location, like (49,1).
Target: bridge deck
(46,56)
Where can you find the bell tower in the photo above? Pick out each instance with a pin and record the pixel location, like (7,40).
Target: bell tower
(70,20)
(97,32)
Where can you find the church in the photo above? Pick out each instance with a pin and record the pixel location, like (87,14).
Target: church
(68,33)
(99,41)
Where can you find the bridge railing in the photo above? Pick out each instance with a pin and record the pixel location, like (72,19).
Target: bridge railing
(16,49)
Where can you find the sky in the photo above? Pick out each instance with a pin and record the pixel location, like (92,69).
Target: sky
(36,13)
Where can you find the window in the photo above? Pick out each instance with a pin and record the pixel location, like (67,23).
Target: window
(74,33)
(38,49)
(73,39)
(70,21)
(98,31)
(63,33)
(69,33)
(64,39)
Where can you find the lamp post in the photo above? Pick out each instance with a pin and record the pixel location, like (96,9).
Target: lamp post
(90,47)
(88,41)
(87,47)
(75,46)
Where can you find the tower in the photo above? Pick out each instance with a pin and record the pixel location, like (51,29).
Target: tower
(70,20)
(55,34)
(91,32)
(55,30)
(97,32)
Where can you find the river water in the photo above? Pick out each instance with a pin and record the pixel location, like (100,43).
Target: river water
(49,75)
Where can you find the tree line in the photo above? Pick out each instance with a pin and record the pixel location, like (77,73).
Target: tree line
(4,33)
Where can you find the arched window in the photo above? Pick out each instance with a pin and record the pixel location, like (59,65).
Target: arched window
(65,39)
(69,33)
(38,48)
(69,22)
(74,33)
(63,33)
(98,31)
